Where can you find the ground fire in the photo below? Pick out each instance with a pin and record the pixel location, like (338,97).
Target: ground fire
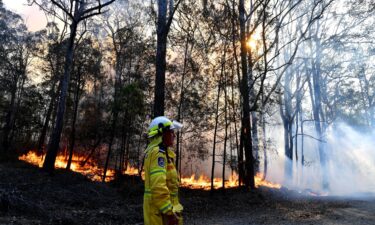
(94,172)
(203,182)
(90,169)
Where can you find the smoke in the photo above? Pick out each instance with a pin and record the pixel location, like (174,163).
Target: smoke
(350,163)
(352,160)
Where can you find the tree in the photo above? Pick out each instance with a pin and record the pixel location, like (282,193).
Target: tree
(87,64)
(129,53)
(15,53)
(163,27)
(76,11)
(246,127)
(52,68)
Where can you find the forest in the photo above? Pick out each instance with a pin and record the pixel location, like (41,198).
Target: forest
(276,98)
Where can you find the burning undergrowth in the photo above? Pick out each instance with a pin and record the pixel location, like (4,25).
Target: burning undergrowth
(89,169)
(204,182)
(95,173)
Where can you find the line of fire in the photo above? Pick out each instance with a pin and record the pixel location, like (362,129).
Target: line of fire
(95,173)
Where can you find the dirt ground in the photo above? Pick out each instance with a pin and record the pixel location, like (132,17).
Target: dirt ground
(30,196)
(281,207)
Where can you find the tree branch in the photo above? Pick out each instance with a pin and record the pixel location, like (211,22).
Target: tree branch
(170,19)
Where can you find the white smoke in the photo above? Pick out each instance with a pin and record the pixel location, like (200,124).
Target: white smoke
(350,167)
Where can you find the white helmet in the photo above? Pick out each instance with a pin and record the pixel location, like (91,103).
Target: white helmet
(161,122)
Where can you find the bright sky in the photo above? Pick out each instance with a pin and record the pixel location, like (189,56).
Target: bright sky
(33,17)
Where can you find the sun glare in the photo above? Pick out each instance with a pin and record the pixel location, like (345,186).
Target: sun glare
(253,41)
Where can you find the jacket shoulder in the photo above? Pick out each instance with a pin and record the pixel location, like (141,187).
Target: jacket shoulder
(157,151)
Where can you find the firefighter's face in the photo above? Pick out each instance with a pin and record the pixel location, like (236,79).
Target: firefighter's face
(168,138)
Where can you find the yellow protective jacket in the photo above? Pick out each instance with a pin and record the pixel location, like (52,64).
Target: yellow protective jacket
(161,184)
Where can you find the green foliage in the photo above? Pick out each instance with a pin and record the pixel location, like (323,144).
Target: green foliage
(132,100)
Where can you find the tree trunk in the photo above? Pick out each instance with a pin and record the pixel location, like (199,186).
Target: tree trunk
(139,149)
(179,109)
(127,152)
(241,164)
(74,119)
(49,162)
(215,134)
(246,127)
(265,162)
(8,122)
(109,147)
(83,163)
(254,130)
(239,144)
(161,50)
(47,119)
(226,124)
(317,110)
(254,119)
(287,118)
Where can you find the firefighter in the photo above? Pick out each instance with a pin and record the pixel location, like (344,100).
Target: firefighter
(161,204)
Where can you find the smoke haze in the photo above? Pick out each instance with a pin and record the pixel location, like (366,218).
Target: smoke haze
(350,166)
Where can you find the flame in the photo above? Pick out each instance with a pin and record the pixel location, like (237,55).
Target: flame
(90,169)
(203,182)
(95,173)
